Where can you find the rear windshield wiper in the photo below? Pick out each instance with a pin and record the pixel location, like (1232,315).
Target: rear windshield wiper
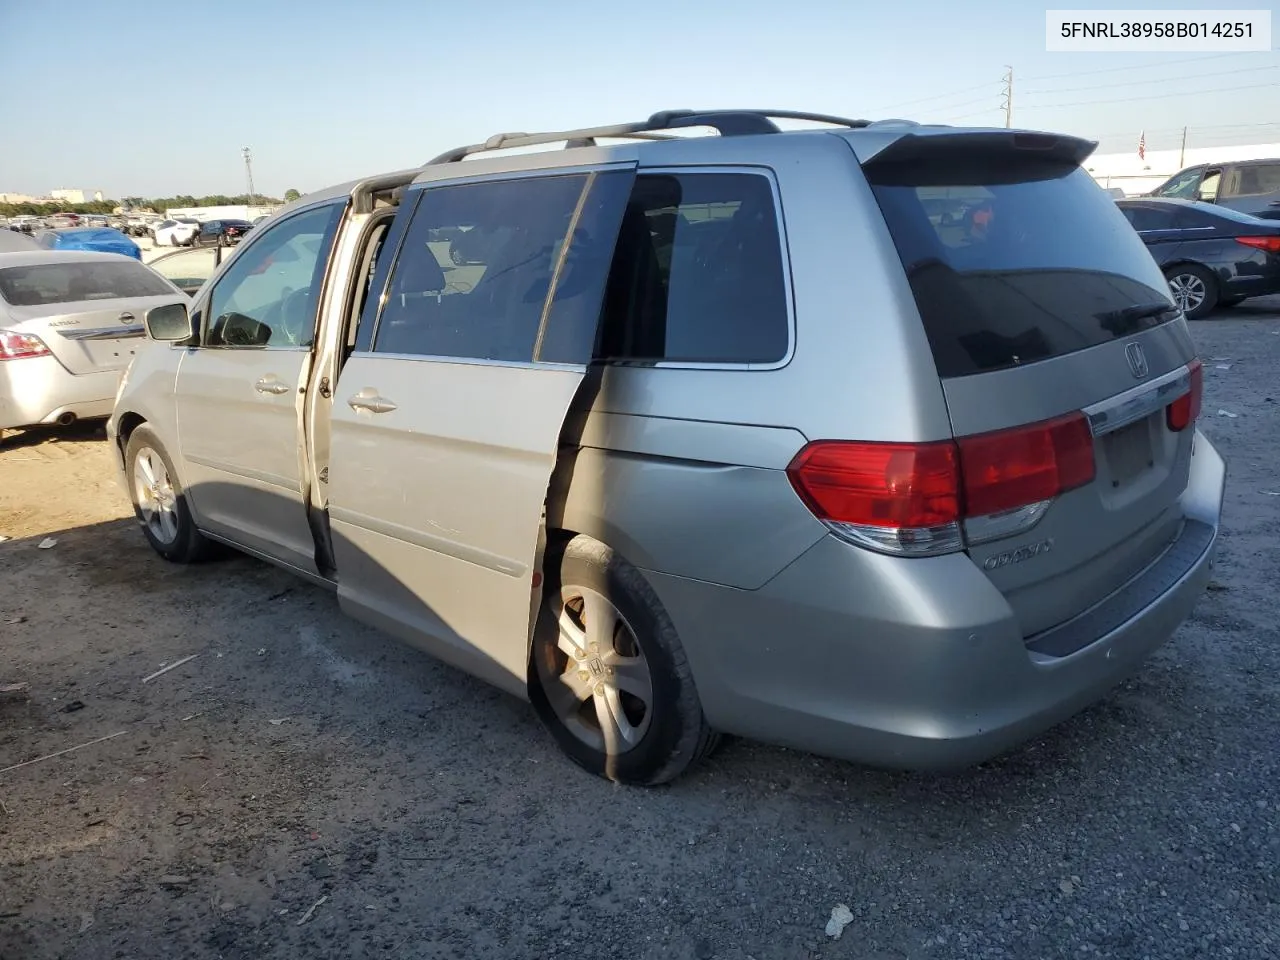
(1128,319)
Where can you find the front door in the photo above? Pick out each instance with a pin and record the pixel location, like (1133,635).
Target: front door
(447,416)
(239,393)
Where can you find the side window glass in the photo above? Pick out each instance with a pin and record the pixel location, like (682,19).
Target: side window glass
(698,274)
(1184,187)
(270,294)
(1147,218)
(1258,179)
(1209,186)
(475,269)
(188,268)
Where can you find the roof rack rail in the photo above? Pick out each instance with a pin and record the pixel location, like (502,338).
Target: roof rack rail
(728,123)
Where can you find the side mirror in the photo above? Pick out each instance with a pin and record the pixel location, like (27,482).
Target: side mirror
(170,323)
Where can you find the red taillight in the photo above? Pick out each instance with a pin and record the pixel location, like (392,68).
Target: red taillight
(892,485)
(1184,411)
(19,346)
(1013,468)
(904,487)
(1269,244)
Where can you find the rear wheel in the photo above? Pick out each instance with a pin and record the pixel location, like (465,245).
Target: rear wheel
(159,502)
(1193,288)
(609,677)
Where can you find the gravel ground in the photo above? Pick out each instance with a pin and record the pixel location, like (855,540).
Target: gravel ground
(302,760)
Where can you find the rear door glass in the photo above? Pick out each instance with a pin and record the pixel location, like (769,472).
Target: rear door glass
(1015,261)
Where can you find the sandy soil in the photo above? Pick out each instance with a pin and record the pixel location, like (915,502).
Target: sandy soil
(303,761)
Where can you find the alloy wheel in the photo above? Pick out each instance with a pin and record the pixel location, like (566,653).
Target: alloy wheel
(1188,291)
(156,498)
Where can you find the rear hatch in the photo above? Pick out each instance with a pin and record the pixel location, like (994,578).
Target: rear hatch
(1068,373)
(88,313)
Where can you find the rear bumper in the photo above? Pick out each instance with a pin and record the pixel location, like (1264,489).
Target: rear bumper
(919,663)
(40,390)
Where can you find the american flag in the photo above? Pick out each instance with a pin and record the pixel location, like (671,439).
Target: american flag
(1142,145)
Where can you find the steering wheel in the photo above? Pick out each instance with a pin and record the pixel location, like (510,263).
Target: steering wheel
(292,315)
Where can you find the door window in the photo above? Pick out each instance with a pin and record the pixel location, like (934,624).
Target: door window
(1208,190)
(1182,186)
(485,271)
(1257,179)
(269,296)
(186,269)
(1148,218)
(698,274)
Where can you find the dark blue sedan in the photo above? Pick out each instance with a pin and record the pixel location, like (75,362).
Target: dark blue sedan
(1211,256)
(99,239)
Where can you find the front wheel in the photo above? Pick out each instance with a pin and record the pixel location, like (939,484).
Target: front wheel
(608,675)
(159,501)
(1193,288)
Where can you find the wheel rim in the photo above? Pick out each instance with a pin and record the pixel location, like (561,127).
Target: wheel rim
(157,502)
(595,674)
(1188,291)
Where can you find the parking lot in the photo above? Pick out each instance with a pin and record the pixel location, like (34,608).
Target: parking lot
(308,787)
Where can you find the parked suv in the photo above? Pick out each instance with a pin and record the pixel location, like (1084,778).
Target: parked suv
(876,440)
(1249,186)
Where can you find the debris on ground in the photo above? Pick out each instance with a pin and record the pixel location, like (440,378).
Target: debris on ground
(1215,587)
(50,756)
(1228,413)
(73,706)
(841,917)
(174,881)
(48,543)
(173,666)
(15,690)
(14,620)
(307,916)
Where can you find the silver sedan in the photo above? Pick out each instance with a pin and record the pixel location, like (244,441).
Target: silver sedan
(70,322)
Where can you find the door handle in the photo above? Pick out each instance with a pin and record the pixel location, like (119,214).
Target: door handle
(269,385)
(126,316)
(373,404)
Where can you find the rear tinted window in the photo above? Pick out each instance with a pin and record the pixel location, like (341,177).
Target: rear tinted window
(1011,263)
(38,285)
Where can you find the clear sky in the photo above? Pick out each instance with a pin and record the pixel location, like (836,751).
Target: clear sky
(157,97)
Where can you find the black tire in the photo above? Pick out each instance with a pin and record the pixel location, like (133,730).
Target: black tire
(1189,275)
(677,735)
(1230,302)
(173,239)
(187,545)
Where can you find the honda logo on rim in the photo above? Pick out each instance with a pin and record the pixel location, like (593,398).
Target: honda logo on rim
(1137,360)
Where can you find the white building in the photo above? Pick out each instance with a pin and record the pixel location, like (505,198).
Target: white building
(1135,175)
(20,198)
(67,195)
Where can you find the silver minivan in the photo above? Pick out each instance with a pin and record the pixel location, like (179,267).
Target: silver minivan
(877,440)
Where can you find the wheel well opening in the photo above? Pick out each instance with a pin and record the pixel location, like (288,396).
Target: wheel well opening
(128,423)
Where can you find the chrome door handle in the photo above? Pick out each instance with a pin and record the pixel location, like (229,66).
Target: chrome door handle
(126,316)
(374,404)
(266,385)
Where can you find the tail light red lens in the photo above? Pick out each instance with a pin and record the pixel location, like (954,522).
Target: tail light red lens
(1012,468)
(1184,411)
(890,485)
(1269,244)
(876,487)
(20,346)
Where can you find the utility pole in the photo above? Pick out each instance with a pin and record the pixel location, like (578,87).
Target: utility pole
(1182,154)
(1008,96)
(248,171)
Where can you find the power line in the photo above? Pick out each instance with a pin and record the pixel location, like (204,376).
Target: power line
(1135,66)
(1157,96)
(941,96)
(968,103)
(1135,83)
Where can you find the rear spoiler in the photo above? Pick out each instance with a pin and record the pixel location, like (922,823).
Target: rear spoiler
(979,145)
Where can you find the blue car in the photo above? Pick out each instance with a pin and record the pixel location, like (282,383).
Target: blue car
(100,239)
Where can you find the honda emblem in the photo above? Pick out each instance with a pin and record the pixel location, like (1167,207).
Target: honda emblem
(1137,360)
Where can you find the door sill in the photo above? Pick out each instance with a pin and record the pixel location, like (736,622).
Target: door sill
(317,579)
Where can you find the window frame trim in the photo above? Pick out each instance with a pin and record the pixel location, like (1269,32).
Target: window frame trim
(204,307)
(418,190)
(784,251)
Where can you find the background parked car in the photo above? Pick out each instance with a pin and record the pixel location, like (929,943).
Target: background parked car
(70,321)
(221,233)
(1212,256)
(1250,186)
(101,239)
(13,240)
(178,232)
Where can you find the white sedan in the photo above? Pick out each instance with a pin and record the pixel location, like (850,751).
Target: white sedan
(178,232)
(70,322)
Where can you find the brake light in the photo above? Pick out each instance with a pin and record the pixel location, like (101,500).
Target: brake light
(1269,244)
(1184,411)
(911,498)
(1013,468)
(20,346)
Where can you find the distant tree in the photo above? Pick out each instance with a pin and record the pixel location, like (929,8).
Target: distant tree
(291,195)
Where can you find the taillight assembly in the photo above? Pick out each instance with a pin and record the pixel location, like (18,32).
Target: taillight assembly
(911,499)
(1184,411)
(20,346)
(1269,244)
